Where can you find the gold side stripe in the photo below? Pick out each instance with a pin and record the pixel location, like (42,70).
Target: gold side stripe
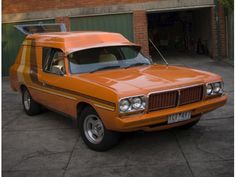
(54,93)
(97,104)
(26,42)
(21,67)
(104,107)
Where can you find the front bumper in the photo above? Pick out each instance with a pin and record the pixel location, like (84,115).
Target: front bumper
(157,120)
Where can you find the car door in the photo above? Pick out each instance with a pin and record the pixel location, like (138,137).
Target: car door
(53,77)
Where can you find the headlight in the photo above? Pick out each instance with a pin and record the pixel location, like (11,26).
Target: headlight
(124,105)
(215,88)
(132,104)
(136,103)
(209,89)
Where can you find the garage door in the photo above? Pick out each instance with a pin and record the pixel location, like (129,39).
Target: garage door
(11,41)
(120,23)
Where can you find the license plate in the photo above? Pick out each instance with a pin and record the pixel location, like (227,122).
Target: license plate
(179,117)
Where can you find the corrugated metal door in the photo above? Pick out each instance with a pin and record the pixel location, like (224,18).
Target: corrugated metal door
(11,41)
(121,23)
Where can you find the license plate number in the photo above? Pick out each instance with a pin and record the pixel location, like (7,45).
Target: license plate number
(179,117)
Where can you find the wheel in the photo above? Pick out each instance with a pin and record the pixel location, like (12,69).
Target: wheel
(30,106)
(93,132)
(189,125)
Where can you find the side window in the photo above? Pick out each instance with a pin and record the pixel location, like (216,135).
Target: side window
(46,54)
(53,61)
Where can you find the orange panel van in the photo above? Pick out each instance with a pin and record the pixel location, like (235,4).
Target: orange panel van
(108,86)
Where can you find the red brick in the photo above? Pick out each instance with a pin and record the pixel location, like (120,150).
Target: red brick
(222,31)
(140,30)
(214,52)
(19,6)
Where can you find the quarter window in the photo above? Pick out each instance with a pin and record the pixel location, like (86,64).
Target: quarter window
(53,61)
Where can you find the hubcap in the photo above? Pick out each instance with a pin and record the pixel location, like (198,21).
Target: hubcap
(93,129)
(27,100)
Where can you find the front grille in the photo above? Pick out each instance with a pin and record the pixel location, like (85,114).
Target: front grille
(171,99)
(163,100)
(191,95)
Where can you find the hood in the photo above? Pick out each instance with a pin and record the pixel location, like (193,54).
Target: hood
(146,79)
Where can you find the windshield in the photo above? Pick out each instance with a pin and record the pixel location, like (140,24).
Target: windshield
(95,59)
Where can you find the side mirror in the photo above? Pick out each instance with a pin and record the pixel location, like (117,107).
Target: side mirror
(57,69)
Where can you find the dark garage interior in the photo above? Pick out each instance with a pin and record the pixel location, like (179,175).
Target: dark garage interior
(184,32)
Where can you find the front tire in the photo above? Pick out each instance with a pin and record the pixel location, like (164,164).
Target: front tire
(30,106)
(94,133)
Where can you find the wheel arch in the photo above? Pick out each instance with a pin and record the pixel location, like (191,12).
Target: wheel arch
(81,106)
(22,88)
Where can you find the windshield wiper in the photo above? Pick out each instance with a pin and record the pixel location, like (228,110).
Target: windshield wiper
(105,67)
(136,64)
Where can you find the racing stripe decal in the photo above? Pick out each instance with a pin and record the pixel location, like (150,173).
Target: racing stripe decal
(21,66)
(80,94)
(53,93)
(33,63)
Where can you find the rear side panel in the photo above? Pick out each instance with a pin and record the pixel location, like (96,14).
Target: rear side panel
(19,72)
(14,81)
(28,71)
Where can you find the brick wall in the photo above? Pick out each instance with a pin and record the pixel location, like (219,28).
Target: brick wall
(218,41)
(218,33)
(214,48)
(222,31)
(141,30)
(20,6)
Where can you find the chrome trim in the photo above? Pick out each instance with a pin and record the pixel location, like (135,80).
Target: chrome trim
(175,89)
(217,94)
(147,103)
(204,96)
(179,94)
(135,111)
(130,97)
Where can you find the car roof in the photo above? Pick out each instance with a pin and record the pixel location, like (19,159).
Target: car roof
(74,41)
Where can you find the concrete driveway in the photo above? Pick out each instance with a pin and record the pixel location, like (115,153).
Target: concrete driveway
(48,145)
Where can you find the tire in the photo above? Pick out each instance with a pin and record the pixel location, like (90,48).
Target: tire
(94,133)
(30,106)
(189,125)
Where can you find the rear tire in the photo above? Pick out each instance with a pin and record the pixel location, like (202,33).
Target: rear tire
(94,133)
(31,107)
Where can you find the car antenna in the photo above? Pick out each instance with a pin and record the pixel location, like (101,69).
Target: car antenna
(163,58)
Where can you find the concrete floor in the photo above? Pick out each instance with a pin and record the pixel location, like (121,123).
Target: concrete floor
(47,146)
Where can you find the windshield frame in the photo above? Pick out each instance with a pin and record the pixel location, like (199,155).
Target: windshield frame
(124,67)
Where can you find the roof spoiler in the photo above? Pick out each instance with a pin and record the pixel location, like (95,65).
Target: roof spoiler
(41,28)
